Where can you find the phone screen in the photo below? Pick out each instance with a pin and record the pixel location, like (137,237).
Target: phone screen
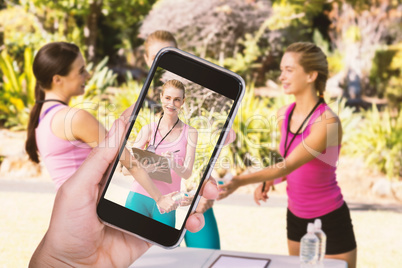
(179,120)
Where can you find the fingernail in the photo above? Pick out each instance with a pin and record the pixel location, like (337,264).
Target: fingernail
(213,181)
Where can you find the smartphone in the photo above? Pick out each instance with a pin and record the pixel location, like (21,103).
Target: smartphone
(177,129)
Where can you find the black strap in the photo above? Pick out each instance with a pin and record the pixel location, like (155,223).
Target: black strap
(166,134)
(297,132)
(47,100)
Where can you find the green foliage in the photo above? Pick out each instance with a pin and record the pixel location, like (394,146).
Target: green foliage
(379,141)
(394,85)
(101,79)
(293,13)
(246,61)
(17,90)
(27,25)
(381,72)
(257,136)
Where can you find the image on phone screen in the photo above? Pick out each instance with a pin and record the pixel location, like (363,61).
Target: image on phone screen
(168,148)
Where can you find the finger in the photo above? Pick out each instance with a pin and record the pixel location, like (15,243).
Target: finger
(100,157)
(256,197)
(195,222)
(210,189)
(230,137)
(125,116)
(222,195)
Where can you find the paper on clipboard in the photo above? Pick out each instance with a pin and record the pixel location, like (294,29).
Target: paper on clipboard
(146,157)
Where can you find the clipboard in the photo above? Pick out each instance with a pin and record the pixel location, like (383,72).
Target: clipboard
(225,260)
(152,158)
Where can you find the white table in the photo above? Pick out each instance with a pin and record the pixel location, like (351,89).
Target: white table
(203,258)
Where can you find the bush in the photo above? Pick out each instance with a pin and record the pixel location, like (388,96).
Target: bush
(17,90)
(378,139)
(208,28)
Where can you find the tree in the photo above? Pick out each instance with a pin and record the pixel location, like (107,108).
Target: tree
(359,29)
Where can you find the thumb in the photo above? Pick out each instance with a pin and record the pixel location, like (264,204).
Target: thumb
(98,161)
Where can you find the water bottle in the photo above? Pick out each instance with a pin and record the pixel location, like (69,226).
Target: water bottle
(309,248)
(322,238)
(177,198)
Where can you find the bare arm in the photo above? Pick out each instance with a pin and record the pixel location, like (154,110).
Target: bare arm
(325,132)
(143,137)
(77,124)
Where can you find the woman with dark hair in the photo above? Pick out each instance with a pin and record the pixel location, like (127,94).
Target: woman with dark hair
(310,144)
(62,135)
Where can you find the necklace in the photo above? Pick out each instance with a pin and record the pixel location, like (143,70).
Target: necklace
(298,131)
(43,101)
(152,148)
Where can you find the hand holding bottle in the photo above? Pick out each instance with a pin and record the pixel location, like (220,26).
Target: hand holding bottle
(166,203)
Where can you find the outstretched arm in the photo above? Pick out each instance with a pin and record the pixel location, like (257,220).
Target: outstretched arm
(325,132)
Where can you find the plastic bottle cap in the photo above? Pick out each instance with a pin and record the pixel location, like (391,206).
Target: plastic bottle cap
(310,227)
(317,223)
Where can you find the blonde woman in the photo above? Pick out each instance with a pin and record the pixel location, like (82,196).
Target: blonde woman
(208,237)
(173,139)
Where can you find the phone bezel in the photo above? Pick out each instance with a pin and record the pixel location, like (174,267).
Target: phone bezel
(199,71)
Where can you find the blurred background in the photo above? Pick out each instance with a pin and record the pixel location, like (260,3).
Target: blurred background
(361,38)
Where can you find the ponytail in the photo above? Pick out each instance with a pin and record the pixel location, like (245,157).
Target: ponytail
(52,59)
(30,145)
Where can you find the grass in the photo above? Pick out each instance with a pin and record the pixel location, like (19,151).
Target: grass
(25,218)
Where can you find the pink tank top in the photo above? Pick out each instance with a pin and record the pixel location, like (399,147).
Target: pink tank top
(312,188)
(179,144)
(61,157)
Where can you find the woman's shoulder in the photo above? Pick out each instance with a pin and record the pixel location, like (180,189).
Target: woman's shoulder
(282,111)
(190,129)
(328,115)
(70,119)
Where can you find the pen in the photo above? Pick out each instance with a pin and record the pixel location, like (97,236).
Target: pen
(263,187)
(176,151)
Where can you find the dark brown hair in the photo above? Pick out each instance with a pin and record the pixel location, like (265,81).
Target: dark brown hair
(52,59)
(312,59)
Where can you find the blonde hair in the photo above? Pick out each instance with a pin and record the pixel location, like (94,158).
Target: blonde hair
(176,84)
(312,59)
(159,36)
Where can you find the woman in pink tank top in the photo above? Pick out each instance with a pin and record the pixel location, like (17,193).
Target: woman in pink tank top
(310,143)
(173,139)
(63,136)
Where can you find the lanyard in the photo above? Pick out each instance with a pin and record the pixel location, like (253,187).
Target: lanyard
(298,131)
(43,101)
(152,148)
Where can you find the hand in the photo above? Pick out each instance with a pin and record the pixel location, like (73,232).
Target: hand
(156,167)
(187,201)
(166,204)
(260,195)
(228,188)
(75,236)
(204,205)
(170,157)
